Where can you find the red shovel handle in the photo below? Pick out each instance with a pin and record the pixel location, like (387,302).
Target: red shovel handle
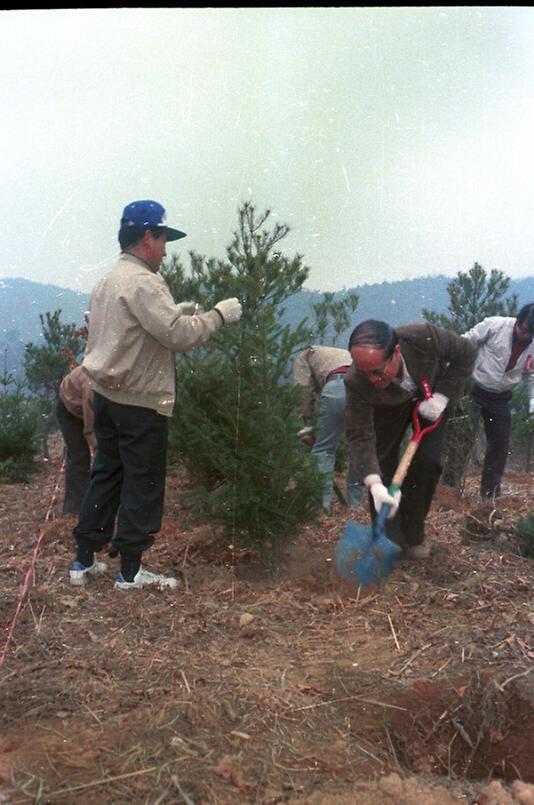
(419,432)
(409,453)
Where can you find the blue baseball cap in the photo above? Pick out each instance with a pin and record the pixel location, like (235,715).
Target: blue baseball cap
(146,214)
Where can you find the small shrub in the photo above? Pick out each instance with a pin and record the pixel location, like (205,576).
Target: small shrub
(19,434)
(460,438)
(524,532)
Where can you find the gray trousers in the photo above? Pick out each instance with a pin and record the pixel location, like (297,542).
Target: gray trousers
(330,428)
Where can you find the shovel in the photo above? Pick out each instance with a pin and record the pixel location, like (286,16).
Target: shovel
(364,555)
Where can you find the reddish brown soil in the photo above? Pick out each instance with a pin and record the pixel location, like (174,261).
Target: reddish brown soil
(241,687)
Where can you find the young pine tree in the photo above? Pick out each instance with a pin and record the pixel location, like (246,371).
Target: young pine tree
(235,425)
(45,366)
(19,424)
(522,438)
(474,295)
(333,316)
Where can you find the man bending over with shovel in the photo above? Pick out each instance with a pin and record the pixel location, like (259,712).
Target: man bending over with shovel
(393,369)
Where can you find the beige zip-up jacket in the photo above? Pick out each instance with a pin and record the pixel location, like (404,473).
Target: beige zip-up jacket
(134,329)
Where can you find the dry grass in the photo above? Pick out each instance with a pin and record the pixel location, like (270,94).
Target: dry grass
(241,687)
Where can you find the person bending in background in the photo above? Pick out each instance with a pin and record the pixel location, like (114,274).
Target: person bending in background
(505,355)
(134,329)
(74,413)
(391,370)
(320,372)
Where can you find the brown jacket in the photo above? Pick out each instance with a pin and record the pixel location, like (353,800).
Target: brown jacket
(431,353)
(76,394)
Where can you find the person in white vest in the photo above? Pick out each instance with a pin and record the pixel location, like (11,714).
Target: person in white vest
(505,356)
(320,372)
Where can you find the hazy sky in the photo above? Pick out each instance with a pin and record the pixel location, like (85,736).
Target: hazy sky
(395,142)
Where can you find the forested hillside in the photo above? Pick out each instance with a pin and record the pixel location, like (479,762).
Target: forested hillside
(21,302)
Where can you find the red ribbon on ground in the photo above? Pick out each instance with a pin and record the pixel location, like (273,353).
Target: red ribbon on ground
(30,572)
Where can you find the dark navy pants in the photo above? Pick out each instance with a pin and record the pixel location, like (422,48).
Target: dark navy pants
(391,426)
(77,458)
(495,411)
(124,500)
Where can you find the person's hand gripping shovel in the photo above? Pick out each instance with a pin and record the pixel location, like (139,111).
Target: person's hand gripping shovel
(365,555)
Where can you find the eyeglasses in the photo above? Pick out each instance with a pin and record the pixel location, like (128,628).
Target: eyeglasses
(375,372)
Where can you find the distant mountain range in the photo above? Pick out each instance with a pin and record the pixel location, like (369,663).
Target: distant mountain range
(21,302)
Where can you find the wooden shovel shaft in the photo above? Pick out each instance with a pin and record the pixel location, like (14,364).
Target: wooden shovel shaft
(404,464)
(411,450)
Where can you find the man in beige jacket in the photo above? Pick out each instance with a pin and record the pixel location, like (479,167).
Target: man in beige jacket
(134,330)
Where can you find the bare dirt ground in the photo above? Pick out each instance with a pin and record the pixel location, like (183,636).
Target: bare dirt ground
(244,688)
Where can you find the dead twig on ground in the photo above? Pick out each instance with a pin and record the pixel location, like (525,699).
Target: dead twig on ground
(344,699)
(501,687)
(185,797)
(412,658)
(105,781)
(393,633)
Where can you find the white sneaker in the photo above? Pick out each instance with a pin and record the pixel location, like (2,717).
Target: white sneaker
(422,551)
(144,578)
(79,573)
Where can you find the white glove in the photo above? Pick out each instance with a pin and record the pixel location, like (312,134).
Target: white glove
(433,408)
(230,310)
(190,308)
(380,494)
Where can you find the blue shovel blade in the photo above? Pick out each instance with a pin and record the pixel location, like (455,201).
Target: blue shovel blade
(364,555)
